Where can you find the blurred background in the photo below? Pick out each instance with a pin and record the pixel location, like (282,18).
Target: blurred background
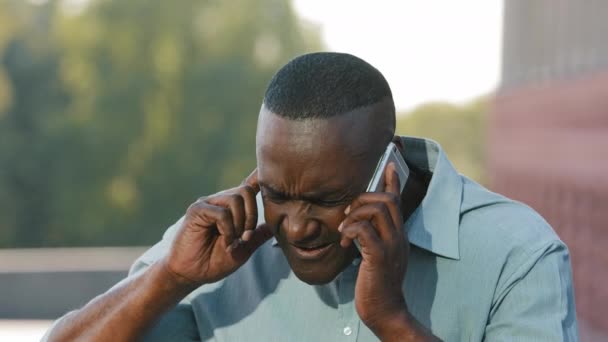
(116,115)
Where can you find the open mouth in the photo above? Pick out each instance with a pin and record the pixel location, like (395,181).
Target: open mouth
(312,252)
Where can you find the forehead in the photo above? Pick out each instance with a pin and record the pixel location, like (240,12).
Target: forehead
(318,138)
(328,151)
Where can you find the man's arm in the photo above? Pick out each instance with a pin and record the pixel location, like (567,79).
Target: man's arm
(217,235)
(536,301)
(127,310)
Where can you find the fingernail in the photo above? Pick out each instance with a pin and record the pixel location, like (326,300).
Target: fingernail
(347,210)
(340,227)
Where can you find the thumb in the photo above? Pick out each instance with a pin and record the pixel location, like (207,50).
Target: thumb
(391,179)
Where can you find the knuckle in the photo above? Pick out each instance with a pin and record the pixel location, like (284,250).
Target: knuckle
(247,190)
(192,208)
(221,193)
(196,206)
(358,200)
(352,232)
(366,228)
(389,197)
(380,207)
(201,200)
(251,219)
(235,199)
(358,228)
(224,214)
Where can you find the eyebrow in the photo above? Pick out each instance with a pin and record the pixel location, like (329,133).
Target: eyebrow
(311,196)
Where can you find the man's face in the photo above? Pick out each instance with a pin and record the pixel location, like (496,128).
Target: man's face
(309,171)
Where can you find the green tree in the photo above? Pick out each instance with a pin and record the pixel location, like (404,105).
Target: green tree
(121,113)
(459,129)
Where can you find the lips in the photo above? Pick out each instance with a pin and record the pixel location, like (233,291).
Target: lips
(312,252)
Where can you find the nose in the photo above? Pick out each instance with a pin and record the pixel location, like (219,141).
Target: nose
(299,227)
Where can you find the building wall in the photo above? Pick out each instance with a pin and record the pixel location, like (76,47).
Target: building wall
(551,40)
(549,132)
(45,283)
(49,295)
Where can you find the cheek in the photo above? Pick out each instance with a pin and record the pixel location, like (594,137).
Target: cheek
(331,217)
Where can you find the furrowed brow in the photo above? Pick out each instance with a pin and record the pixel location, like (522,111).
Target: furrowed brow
(310,196)
(325,194)
(271,189)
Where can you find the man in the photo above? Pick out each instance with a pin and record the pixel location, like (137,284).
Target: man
(445,259)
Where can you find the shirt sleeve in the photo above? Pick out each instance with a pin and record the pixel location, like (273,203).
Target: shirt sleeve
(535,302)
(179,323)
(156,252)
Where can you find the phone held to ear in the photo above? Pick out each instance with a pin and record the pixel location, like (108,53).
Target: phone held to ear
(376,184)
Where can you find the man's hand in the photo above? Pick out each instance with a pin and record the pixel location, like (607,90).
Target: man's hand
(217,236)
(375,219)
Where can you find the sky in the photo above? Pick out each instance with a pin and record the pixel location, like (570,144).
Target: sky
(428,50)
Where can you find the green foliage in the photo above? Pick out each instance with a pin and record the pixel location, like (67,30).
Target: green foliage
(459,129)
(115,116)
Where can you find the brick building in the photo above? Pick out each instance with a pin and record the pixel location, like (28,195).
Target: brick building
(549,132)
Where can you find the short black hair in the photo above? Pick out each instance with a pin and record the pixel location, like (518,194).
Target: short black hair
(325,84)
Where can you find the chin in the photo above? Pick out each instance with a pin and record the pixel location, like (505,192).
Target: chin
(322,270)
(316,279)
(318,273)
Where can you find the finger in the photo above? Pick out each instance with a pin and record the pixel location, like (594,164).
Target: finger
(391,179)
(251,210)
(252,181)
(236,204)
(214,216)
(365,233)
(378,214)
(258,237)
(391,201)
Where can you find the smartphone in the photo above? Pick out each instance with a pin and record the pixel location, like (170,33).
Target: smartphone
(391,154)
(376,184)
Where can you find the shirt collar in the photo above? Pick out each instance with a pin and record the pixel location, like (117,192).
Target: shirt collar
(434,224)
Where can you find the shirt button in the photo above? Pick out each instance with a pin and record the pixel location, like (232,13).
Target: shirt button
(347,331)
(356,262)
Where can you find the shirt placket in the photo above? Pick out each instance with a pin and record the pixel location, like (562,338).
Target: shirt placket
(346,305)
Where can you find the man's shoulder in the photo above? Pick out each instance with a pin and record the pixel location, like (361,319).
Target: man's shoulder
(499,227)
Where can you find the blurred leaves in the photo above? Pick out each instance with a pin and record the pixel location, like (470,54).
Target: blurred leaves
(115,115)
(459,129)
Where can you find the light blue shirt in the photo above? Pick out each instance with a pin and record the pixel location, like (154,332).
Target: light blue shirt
(482,267)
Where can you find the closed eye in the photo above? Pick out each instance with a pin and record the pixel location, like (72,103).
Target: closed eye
(326,200)
(274,197)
